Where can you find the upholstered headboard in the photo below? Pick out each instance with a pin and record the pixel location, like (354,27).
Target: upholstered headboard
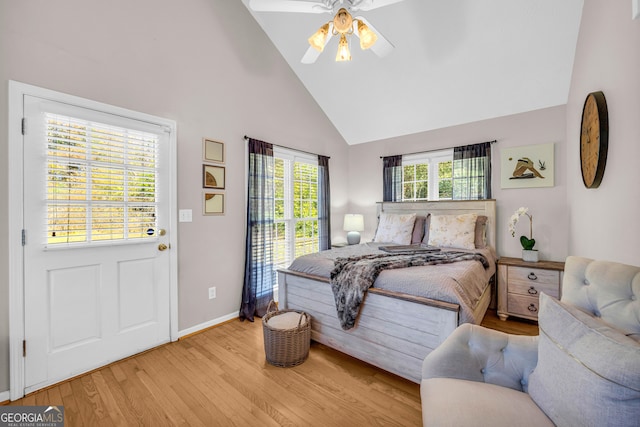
(605,289)
(449,207)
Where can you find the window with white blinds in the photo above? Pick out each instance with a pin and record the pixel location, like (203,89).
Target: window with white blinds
(296,206)
(101,182)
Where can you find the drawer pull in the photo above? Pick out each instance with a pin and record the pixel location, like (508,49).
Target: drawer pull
(532,276)
(532,291)
(532,308)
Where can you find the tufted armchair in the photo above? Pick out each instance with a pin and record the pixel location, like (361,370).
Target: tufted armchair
(582,370)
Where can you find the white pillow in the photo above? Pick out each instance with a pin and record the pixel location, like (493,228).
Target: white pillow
(588,372)
(395,228)
(453,231)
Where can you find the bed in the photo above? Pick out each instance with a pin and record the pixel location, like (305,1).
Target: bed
(399,321)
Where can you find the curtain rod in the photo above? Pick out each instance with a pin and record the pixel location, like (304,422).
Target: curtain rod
(437,149)
(289,148)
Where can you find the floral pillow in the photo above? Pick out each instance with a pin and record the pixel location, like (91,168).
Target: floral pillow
(453,231)
(395,228)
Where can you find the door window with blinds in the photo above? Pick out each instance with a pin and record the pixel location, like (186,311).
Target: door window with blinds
(101,182)
(296,206)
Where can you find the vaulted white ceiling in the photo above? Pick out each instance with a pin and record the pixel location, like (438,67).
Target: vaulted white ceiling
(454,62)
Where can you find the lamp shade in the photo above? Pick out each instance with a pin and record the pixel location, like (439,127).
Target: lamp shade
(353,222)
(319,38)
(343,50)
(367,37)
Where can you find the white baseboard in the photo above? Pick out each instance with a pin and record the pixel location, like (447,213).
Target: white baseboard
(206,325)
(4,396)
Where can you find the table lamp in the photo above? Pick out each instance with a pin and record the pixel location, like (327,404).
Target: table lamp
(353,224)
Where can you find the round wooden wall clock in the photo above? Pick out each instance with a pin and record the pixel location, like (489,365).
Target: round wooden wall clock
(594,139)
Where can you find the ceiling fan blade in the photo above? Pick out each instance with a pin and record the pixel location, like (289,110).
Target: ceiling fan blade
(288,6)
(366,5)
(312,54)
(382,47)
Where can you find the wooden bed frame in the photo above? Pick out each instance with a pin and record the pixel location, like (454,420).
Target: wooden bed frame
(394,331)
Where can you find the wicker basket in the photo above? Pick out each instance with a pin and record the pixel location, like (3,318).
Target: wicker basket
(286,347)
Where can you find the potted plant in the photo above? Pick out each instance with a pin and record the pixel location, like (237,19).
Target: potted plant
(528,253)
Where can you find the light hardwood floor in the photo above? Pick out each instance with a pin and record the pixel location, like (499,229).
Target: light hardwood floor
(220,377)
(513,325)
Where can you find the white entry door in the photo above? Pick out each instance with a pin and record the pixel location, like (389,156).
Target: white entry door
(96,221)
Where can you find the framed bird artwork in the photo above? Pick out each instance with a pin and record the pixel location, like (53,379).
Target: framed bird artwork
(527,166)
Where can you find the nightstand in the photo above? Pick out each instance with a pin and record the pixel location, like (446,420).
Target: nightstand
(520,284)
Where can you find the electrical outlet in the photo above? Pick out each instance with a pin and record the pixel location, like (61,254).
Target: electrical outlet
(212,292)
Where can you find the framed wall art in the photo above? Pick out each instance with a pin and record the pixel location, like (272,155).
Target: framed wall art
(213,176)
(213,151)
(213,203)
(527,166)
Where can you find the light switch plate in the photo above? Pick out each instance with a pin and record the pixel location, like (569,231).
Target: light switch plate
(185,215)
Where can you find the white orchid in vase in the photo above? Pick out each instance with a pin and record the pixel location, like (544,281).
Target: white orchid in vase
(527,243)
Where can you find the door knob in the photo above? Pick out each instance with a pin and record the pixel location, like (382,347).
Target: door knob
(162,247)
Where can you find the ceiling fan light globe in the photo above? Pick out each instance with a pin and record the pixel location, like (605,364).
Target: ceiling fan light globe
(343,22)
(367,37)
(343,50)
(319,38)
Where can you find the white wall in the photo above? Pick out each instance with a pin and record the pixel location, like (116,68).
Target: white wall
(548,205)
(204,63)
(604,221)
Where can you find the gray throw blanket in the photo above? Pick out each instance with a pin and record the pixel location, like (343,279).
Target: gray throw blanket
(352,276)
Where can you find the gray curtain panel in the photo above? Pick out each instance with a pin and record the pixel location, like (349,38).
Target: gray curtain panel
(392,178)
(324,203)
(259,273)
(472,172)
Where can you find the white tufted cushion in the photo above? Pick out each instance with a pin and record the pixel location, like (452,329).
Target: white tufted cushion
(475,353)
(604,289)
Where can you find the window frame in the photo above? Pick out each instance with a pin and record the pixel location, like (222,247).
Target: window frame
(432,159)
(290,221)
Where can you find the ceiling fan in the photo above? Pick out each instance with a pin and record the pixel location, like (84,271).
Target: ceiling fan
(343,24)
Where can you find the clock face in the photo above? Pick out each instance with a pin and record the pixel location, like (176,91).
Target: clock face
(594,139)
